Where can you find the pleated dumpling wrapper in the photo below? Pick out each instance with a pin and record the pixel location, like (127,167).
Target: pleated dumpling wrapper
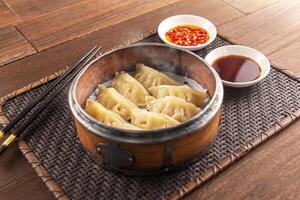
(149,77)
(172,106)
(114,101)
(151,120)
(127,86)
(100,113)
(199,98)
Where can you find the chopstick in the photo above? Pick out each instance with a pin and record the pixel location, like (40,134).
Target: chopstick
(77,67)
(16,119)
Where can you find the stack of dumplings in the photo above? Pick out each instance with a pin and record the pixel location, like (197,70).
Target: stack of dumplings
(149,100)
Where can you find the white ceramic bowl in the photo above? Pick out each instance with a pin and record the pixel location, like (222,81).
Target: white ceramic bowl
(176,20)
(255,55)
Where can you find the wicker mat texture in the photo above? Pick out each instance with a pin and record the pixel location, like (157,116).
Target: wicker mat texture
(247,114)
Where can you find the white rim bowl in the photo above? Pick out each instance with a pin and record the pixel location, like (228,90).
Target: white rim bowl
(255,55)
(177,20)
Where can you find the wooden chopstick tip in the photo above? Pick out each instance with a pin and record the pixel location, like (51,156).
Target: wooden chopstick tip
(1,134)
(10,139)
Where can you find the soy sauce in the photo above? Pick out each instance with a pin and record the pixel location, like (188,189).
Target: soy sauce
(235,68)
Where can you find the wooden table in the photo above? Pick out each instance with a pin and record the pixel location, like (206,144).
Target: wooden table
(38,38)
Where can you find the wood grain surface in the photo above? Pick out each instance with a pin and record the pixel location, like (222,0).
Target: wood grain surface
(29,187)
(251,6)
(28,9)
(269,29)
(7,17)
(13,157)
(13,45)
(60,35)
(250,22)
(74,21)
(288,57)
(53,59)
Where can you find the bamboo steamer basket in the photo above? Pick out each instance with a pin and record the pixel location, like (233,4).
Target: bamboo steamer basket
(154,151)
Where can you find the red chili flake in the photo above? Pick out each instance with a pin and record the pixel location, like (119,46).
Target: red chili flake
(187,35)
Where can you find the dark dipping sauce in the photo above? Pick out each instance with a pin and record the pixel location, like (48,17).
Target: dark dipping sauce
(235,68)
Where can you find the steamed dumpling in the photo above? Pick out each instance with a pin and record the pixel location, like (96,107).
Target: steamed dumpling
(114,101)
(100,113)
(149,77)
(151,120)
(127,86)
(172,106)
(184,92)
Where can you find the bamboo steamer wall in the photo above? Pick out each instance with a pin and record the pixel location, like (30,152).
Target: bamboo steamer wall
(191,138)
(152,156)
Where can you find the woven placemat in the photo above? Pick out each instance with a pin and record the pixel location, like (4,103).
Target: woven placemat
(249,117)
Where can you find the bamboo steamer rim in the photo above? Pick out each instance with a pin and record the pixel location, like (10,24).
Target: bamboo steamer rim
(148,136)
